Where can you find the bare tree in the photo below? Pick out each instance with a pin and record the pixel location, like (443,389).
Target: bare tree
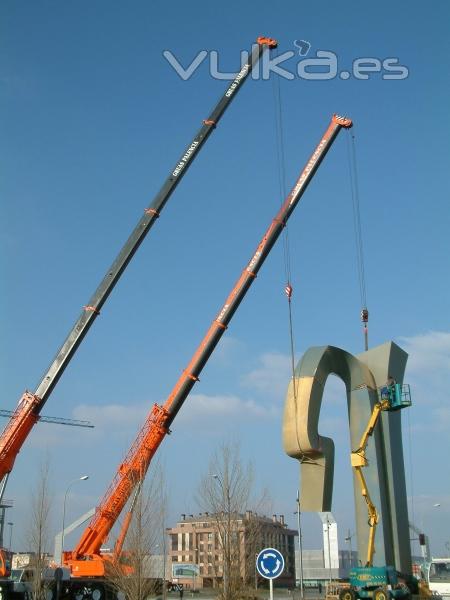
(226,493)
(38,532)
(135,575)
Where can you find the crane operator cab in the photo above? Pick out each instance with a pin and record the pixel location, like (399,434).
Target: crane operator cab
(5,562)
(398,395)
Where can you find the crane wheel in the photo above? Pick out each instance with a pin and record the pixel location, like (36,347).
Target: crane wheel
(381,594)
(88,592)
(347,594)
(97,593)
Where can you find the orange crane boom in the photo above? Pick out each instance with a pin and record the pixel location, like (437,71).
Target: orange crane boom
(85,559)
(29,406)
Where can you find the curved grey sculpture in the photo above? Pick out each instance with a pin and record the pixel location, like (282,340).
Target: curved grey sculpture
(362,376)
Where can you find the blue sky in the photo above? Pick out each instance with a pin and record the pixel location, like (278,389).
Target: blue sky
(93,120)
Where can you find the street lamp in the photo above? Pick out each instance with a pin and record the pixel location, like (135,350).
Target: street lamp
(163,549)
(329,549)
(426,511)
(349,540)
(164,566)
(10,534)
(83,478)
(300,545)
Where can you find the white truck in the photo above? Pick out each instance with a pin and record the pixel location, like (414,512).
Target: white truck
(437,575)
(18,585)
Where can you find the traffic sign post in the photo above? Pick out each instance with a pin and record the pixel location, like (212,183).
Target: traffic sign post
(270,565)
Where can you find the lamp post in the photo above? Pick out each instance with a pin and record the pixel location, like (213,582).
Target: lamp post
(226,564)
(349,540)
(164,590)
(436,505)
(329,549)
(300,544)
(83,478)
(10,534)
(163,549)
(426,538)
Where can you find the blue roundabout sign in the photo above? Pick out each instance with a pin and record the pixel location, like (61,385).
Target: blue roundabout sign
(270,563)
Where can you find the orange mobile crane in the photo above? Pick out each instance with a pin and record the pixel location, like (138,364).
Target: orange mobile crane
(31,404)
(86,562)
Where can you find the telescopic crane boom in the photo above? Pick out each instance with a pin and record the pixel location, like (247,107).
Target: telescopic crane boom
(31,404)
(85,559)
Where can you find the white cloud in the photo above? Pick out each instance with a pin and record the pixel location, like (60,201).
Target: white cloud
(428,373)
(272,375)
(427,370)
(45,435)
(112,415)
(205,407)
(109,419)
(229,349)
(441,418)
(198,408)
(429,353)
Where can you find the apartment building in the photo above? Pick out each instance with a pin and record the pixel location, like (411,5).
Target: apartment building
(197,543)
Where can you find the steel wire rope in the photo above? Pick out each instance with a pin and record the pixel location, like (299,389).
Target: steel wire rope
(359,246)
(281,170)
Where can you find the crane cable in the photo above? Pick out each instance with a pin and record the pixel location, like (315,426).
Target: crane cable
(281,169)
(351,151)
